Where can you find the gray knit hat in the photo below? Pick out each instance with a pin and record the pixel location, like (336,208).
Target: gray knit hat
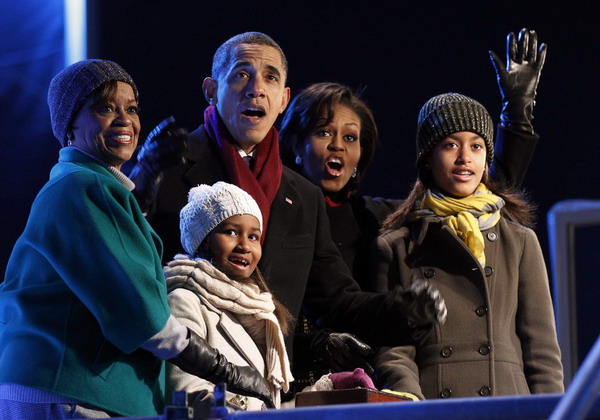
(70,88)
(450,113)
(208,206)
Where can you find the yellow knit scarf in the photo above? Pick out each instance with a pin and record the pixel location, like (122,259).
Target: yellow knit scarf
(467,217)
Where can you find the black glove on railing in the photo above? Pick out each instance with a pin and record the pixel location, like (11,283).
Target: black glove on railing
(163,148)
(423,306)
(201,359)
(342,351)
(518,80)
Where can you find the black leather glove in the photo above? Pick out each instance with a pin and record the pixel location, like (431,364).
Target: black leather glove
(518,81)
(163,148)
(201,359)
(342,351)
(423,305)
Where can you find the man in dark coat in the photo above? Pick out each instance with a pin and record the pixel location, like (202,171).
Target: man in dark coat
(237,143)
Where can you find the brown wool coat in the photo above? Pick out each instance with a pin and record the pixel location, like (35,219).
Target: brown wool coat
(500,335)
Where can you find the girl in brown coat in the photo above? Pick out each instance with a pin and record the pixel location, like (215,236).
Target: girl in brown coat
(468,237)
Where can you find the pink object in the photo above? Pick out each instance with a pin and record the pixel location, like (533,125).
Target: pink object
(349,380)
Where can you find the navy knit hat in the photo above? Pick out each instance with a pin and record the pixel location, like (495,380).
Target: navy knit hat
(70,88)
(450,113)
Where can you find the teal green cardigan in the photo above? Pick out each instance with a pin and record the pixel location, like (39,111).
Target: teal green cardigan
(84,289)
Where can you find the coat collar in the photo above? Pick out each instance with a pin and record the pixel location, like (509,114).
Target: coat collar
(233,330)
(210,170)
(429,233)
(247,348)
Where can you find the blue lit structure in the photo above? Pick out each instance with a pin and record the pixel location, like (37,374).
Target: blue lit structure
(75,31)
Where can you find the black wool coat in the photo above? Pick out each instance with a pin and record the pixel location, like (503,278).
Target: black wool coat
(300,262)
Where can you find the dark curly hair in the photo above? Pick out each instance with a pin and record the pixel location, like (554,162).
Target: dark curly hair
(309,106)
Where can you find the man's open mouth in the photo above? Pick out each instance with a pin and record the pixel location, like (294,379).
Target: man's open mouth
(254,112)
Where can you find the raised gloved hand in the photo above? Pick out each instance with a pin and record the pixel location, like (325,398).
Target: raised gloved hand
(163,148)
(201,359)
(342,351)
(422,305)
(518,80)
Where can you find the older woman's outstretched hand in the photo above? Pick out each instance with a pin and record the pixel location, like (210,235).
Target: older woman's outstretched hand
(519,78)
(201,359)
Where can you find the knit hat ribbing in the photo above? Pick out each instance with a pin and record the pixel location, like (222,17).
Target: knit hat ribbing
(70,88)
(450,113)
(210,205)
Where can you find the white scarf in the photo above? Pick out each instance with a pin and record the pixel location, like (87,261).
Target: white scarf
(252,307)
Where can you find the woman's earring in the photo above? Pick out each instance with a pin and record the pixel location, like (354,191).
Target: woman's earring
(355,172)
(298,160)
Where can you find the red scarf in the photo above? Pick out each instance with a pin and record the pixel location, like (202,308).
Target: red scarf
(262,182)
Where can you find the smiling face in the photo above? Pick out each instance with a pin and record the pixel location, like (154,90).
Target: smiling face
(108,128)
(332,150)
(234,246)
(458,163)
(250,93)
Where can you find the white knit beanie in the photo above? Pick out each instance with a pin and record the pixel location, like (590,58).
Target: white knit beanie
(210,205)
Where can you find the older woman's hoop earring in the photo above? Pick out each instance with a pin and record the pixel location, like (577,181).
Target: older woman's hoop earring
(355,172)
(298,160)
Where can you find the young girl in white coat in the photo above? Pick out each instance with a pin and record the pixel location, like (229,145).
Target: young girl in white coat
(469,238)
(217,291)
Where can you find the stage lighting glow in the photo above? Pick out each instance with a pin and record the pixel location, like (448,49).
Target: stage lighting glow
(75,31)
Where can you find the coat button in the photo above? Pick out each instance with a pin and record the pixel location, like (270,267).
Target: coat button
(484,349)
(446,352)
(446,393)
(492,236)
(429,273)
(481,311)
(485,391)
(488,271)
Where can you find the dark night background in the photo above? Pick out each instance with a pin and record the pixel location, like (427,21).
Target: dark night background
(398,53)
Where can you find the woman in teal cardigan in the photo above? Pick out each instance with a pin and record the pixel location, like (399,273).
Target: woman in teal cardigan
(84,320)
